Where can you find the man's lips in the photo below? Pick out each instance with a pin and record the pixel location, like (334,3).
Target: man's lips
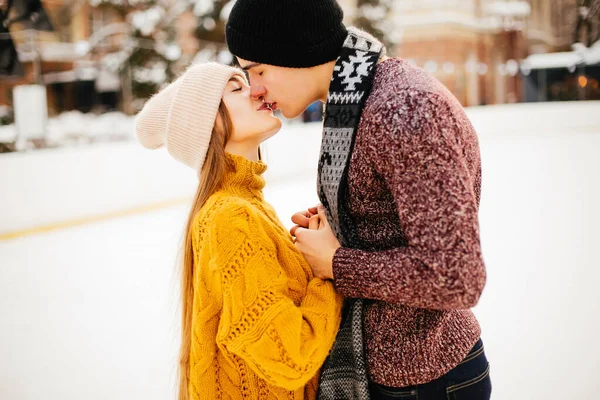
(268,106)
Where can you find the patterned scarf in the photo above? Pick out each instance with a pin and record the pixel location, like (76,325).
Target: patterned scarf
(344,374)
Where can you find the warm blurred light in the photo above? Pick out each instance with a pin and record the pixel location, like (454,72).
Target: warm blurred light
(431,67)
(525,68)
(594,83)
(471,66)
(482,69)
(448,68)
(502,69)
(512,67)
(583,81)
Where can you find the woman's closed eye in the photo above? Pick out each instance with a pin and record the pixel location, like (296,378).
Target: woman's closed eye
(237,89)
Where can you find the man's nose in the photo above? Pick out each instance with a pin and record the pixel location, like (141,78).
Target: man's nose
(257,92)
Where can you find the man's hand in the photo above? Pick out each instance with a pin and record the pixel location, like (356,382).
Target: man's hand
(317,243)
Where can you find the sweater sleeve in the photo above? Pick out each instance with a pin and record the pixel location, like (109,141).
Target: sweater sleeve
(283,342)
(428,157)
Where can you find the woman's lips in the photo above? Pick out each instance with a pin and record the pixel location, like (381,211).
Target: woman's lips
(268,106)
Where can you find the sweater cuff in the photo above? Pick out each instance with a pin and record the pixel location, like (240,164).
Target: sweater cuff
(346,276)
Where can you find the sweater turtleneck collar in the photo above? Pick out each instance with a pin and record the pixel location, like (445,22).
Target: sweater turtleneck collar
(244,177)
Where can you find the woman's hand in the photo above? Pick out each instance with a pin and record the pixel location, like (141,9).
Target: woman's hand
(315,222)
(318,244)
(302,219)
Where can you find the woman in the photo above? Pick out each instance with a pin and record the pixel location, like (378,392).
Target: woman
(256,324)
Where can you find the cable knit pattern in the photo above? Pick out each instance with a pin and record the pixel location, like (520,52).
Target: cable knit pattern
(262,324)
(414,187)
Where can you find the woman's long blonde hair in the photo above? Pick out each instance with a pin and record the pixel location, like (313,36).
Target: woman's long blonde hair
(210,180)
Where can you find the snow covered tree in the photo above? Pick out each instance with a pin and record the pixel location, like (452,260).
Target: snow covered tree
(212,16)
(379,18)
(587,28)
(148,54)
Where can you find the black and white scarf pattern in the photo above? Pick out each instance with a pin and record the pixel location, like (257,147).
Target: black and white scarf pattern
(344,374)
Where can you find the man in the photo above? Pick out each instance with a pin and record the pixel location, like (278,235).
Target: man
(399,180)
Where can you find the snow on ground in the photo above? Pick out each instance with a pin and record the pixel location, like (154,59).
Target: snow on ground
(74,128)
(75,182)
(90,312)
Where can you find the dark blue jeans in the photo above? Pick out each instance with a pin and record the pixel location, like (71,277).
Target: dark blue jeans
(469,380)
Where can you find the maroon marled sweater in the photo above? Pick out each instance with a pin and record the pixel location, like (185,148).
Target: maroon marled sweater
(414,185)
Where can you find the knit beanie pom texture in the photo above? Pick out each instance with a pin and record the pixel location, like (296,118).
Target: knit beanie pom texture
(182,116)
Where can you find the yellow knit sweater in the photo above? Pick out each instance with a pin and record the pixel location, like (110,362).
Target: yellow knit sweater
(262,324)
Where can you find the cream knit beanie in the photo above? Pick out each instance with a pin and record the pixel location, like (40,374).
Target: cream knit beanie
(181,116)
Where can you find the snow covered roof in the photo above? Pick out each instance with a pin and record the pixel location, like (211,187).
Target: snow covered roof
(48,51)
(592,55)
(60,77)
(553,60)
(518,9)
(567,59)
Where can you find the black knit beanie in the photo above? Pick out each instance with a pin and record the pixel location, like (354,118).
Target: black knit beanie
(286,33)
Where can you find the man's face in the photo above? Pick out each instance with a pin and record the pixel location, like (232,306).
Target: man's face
(290,90)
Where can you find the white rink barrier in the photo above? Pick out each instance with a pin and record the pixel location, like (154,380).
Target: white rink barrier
(45,187)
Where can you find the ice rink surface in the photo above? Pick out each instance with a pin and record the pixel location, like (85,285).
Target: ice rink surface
(90,312)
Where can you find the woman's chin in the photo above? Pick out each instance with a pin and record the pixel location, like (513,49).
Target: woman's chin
(273,131)
(276,126)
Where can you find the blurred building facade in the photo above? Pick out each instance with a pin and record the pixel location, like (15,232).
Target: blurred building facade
(474,47)
(108,54)
(54,59)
